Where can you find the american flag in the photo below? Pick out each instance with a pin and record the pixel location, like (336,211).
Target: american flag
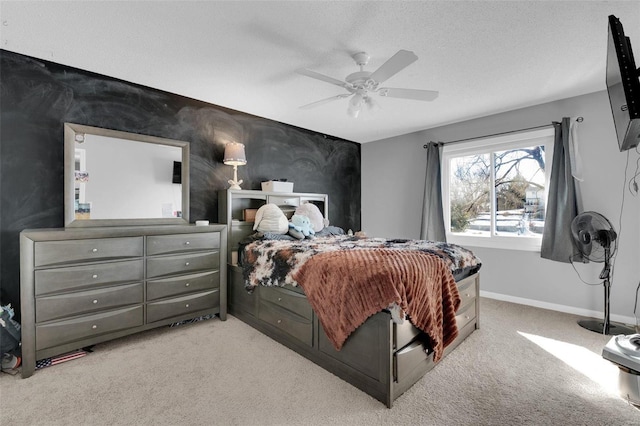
(48,362)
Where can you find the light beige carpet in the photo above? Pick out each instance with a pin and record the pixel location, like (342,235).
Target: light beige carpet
(525,366)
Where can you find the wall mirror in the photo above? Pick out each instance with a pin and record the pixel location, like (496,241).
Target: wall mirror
(115,178)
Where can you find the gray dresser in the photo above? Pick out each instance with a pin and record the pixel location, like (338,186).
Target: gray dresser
(82,286)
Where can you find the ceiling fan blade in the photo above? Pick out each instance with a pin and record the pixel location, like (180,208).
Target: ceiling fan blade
(395,64)
(416,94)
(324,101)
(322,77)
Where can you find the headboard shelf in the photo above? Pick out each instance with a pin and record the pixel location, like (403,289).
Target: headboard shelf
(233,202)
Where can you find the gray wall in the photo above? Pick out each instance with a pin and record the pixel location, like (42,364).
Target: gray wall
(392,202)
(38,97)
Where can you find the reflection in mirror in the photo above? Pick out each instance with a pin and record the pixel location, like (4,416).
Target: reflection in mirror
(117,178)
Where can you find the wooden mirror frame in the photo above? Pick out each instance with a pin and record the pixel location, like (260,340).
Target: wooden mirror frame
(71,131)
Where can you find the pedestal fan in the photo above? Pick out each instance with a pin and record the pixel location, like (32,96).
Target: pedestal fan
(595,238)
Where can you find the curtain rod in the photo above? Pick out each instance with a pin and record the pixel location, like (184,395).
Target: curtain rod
(579,120)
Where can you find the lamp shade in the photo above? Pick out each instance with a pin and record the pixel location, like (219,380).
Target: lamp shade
(234,154)
(355,105)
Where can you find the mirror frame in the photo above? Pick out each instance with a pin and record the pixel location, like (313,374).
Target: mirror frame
(72,130)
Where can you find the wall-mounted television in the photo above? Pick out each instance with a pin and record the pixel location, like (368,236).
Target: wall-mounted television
(623,86)
(177,172)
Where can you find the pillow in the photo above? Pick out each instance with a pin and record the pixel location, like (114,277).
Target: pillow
(314,214)
(269,218)
(330,230)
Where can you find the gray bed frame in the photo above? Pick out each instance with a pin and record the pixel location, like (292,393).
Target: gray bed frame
(381,358)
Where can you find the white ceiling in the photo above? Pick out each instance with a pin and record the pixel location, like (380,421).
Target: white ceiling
(484,57)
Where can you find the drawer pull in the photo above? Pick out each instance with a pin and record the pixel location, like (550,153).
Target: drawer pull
(186,264)
(186,285)
(95,301)
(94,326)
(95,250)
(466,317)
(467,294)
(279,321)
(186,306)
(94,276)
(279,299)
(187,243)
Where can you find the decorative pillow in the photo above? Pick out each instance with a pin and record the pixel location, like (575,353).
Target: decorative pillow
(314,214)
(269,218)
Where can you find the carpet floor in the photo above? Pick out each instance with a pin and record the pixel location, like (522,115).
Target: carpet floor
(524,366)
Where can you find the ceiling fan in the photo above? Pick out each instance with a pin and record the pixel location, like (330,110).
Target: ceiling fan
(362,84)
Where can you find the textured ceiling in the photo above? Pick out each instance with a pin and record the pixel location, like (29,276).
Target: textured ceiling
(484,57)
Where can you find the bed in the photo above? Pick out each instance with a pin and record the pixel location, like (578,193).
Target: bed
(351,304)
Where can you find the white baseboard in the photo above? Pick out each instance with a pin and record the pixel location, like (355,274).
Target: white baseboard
(555,307)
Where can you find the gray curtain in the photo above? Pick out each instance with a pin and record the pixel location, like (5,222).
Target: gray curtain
(432,216)
(562,205)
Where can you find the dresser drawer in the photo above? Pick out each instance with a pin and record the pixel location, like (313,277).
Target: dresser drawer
(179,243)
(49,253)
(48,281)
(70,304)
(285,320)
(294,302)
(157,289)
(60,332)
(173,265)
(180,306)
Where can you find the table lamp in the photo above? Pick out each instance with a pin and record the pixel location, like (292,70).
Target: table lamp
(234,156)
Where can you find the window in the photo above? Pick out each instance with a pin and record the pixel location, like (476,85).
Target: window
(495,190)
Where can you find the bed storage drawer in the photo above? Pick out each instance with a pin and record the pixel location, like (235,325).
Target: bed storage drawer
(297,326)
(48,253)
(168,308)
(409,358)
(467,291)
(465,315)
(404,333)
(70,304)
(59,332)
(289,300)
(157,289)
(179,243)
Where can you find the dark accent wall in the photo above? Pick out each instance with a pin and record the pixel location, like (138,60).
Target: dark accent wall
(37,97)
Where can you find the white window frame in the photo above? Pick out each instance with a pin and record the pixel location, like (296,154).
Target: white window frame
(489,145)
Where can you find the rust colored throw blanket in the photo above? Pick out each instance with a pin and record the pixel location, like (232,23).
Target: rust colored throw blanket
(345,288)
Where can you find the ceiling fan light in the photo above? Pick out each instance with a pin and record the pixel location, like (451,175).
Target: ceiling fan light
(372,105)
(355,105)
(353,112)
(356,101)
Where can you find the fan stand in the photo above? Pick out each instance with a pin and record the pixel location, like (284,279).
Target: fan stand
(606,327)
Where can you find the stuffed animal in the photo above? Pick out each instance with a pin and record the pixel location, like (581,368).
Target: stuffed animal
(269,218)
(295,233)
(300,227)
(310,210)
